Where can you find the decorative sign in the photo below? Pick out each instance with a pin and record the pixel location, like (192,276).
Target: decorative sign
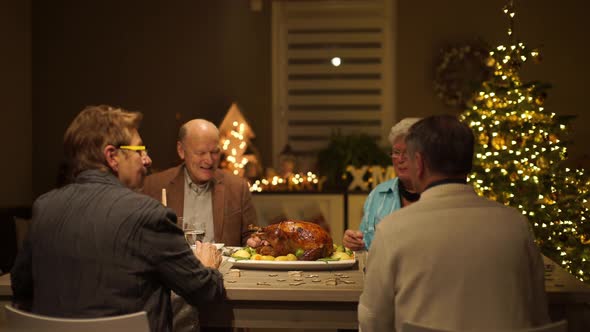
(367,177)
(358,178)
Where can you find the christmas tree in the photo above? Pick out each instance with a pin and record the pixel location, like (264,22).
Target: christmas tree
(520,155)
(235,137)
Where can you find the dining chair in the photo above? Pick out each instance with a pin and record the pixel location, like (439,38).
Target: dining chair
(18,320)
(21,226)
(560,326)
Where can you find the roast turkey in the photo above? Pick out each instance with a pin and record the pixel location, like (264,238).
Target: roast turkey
(286,237)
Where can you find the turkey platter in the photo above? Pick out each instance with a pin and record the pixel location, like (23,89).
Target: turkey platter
(309,240)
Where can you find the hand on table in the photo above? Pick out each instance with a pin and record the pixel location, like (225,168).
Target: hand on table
(353,240)
(208,254)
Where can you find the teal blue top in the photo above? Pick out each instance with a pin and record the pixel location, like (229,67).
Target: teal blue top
(382,200)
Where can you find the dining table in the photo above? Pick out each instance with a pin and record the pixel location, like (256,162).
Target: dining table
(325,297)
(274,299)
(328,298)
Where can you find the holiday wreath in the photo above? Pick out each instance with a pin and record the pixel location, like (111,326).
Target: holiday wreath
(459,72)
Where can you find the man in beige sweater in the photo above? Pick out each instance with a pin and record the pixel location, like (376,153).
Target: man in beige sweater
(452,260)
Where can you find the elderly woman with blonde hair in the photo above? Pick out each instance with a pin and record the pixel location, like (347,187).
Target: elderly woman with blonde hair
(388,196)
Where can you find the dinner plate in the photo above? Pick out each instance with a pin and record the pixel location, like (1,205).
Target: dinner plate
(291,265)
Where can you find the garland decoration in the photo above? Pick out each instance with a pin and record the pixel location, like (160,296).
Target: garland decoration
(459,72)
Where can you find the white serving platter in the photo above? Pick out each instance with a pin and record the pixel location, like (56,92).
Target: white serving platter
(291,265)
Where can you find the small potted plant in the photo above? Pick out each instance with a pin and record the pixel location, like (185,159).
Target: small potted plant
(356,150)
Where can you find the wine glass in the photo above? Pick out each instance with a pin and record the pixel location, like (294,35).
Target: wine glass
(193,231)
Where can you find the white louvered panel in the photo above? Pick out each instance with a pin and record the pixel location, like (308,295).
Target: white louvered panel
(327,130)
(341,8)
(357,22)
(304,4)
(329,53)
(335,37)
(324,115)
(334,100)
(329,69)
(315,98)
(333,84)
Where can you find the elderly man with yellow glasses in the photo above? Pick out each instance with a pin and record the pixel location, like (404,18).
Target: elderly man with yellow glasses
(97,247)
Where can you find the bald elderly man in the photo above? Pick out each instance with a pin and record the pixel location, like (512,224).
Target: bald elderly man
(197,189)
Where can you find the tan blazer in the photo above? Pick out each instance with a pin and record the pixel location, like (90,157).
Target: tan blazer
(453,261)
(233,209)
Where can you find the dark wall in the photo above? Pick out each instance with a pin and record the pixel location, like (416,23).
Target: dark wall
(172,60)
(15,95)
(183,59)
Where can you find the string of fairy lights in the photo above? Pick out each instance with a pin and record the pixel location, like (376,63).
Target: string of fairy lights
(519,155)
(234,144)
(295,182)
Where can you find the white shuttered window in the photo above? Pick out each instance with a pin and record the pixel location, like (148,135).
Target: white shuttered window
(332,72)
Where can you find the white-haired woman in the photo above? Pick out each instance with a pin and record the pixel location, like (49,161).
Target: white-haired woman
(388,196)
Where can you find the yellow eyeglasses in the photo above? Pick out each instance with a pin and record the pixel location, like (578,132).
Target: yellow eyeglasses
(141,149)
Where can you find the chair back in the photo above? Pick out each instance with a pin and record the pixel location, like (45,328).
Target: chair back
(18,320)
(560,326)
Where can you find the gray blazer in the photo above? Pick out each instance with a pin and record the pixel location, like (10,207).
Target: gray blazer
(96,248)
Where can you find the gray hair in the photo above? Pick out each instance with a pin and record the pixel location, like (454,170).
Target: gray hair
(445,143)
(401,128)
